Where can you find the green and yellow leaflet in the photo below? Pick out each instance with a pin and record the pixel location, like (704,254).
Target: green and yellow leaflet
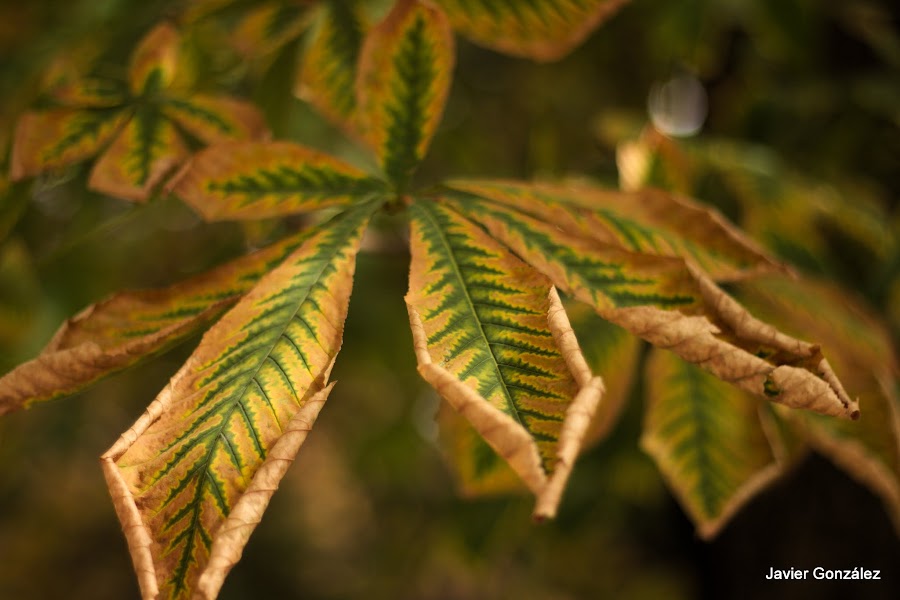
(253,180)
(194,474)
(327,77)
(405,70)
(673,306)
(707,439)
(489,327)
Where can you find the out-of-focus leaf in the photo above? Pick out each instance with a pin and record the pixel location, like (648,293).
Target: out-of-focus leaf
(673,306)
(477,468)
(193,476)
(493,339)
(60,137)
(146,150)
(779,207)
(13,201)
(613,353)
(130,326)
(269,26)
(787,210)
(653,159)
(155,61)
(646,221)
(707,440)
(89,93)
(404,76)
(195,10)
(328,69)
(214,119)
(252,180)
(543,30)
(868,449)
(13,196)
(19,298)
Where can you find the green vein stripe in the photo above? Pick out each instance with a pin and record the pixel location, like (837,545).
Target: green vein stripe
(485,315)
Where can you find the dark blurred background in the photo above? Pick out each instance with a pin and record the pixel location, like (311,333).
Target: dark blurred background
(370,509)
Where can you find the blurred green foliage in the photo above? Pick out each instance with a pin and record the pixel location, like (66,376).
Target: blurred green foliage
(370,511)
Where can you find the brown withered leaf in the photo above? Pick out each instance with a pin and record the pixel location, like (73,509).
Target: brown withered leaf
(129,326)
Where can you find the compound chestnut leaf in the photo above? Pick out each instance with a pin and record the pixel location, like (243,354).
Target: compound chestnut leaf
(269,26)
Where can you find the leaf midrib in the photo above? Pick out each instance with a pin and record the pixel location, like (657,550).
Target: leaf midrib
(219,430)
(446,243)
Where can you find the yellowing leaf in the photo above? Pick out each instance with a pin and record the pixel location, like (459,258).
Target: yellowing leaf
(147,149)
(213,119)
(404,77)
(542,30)
(255,180)
(192,478)
(269,26)
(57,138)
(130,326)
(673,306)
(155,61)
(89,93)
(328,69)
(646,221)
(492,337)
(706,438)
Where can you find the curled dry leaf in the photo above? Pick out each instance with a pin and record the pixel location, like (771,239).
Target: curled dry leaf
(130,326)
(867,449)
(673,306)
